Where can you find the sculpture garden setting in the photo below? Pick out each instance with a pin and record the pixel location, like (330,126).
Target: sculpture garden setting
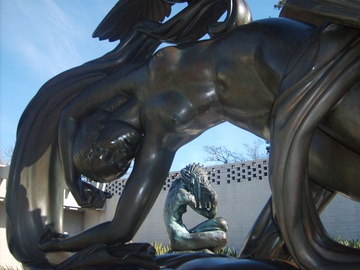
(293,81)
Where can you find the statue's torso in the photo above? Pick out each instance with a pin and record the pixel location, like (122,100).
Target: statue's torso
(214,81)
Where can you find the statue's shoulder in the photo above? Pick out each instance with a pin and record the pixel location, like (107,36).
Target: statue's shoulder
(316,11)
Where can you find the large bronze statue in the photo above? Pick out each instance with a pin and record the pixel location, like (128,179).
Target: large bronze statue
(290,82)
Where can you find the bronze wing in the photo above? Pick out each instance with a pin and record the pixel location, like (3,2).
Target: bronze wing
(127,13)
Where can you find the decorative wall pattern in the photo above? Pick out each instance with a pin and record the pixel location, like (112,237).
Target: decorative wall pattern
(217,174)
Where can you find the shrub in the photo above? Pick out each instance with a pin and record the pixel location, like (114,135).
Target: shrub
(354,243)
(227,251)
(163,249)
(160,248)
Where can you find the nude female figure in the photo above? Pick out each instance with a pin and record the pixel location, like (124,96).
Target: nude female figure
(179,93)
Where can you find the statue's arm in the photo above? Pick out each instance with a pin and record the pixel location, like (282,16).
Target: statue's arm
(152,164)
(85,194)
(84,104)
(207,207)
(187,198)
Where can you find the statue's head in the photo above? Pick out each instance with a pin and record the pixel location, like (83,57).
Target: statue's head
(193,173)
(112,152)
(196,181)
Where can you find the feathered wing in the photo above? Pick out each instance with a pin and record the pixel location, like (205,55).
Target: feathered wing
(127,13)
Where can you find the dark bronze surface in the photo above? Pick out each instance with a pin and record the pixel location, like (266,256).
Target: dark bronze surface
(289,82)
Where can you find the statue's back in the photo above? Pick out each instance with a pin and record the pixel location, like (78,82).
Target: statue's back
(345,12)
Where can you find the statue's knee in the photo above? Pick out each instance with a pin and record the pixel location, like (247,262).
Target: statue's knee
(219,240)
(222,224)
(223,240)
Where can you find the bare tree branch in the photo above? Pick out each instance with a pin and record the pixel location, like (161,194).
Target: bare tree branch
(256,150)
(6,154)
(221,154)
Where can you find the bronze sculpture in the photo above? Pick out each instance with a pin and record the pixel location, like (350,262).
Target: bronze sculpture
(194,190)
(166,100)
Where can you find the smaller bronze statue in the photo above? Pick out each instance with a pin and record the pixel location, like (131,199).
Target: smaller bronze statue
(193,189)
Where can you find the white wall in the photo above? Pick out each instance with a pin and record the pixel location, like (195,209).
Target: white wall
(6,259)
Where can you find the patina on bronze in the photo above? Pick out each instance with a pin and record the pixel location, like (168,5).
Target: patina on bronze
(287,81)
(193,189)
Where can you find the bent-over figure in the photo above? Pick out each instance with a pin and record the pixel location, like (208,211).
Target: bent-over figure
(247,77)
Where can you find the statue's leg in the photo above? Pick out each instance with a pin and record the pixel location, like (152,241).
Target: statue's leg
(201,240)
(297,115)
(195,239)
(214,224)
(264,239)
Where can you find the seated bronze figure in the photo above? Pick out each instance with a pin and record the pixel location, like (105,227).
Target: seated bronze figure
(194,190)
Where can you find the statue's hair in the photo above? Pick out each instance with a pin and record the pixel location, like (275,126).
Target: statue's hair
(200,18)
(91,131)
(90,127)
(195,170)
(196,182)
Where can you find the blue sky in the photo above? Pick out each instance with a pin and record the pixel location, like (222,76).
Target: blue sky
(41,38)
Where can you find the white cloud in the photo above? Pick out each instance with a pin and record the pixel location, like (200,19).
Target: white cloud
(47,38)
(40,39)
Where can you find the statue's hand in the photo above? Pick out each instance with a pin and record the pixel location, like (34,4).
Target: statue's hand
(192,200)
(207,205)
(49,240)
(92,197)
(207,200)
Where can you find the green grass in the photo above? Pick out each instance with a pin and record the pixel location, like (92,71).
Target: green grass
(354,243)
(163,249)
(160,248)
(231,252)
